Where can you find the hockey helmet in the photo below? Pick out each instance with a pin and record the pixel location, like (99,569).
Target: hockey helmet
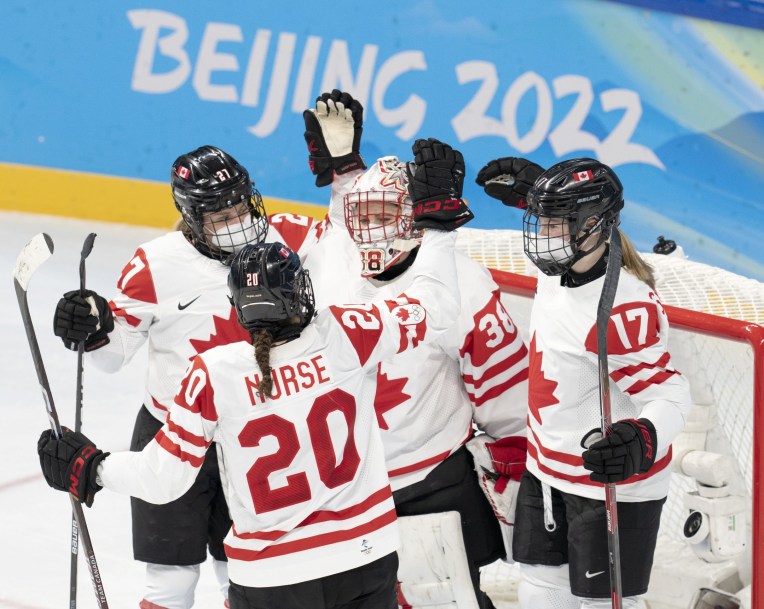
(218,202)
(378,216)
(583,196)
(271,291)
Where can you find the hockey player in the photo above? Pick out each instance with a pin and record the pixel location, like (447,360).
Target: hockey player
(314,519)
(426,405)
(571,211)
(172,294)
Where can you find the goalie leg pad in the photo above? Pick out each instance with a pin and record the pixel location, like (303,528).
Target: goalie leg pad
(434,571)
(169,586)
(545,587)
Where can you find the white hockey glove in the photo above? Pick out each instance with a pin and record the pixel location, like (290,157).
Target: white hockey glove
(499,465)
(333,134)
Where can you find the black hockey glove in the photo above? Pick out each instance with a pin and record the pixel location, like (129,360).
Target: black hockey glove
(435,186)
(509,179)
(627,451)
(77,319)
(70,464)
(333,134)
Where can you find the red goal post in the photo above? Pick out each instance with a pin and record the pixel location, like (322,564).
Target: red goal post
(716,319)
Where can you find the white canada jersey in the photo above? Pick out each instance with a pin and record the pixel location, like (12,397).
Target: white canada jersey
(307,484)
(177,299)
(564,383)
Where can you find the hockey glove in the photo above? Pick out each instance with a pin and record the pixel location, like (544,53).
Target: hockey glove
(509,179)
(70,464)
(77,319)
(435,186)
(333,134)
(500,465)
(627,451)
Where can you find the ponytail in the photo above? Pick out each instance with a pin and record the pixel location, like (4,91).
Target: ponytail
(634,263)
(262,339)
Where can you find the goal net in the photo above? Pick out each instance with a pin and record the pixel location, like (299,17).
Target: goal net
(717,342)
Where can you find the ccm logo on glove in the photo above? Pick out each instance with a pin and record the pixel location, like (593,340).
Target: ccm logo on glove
(76,471)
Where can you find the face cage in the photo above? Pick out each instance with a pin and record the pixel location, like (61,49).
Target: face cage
(380,243)
(195,222)
(558,261)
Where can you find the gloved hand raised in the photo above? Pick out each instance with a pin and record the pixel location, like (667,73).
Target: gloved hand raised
(509,179)
(77,319)
(627,451)
(70,464)
(435,186)
(333,134)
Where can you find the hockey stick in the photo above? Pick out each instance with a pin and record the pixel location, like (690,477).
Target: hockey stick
(604,308)
(87,247)
(37,251)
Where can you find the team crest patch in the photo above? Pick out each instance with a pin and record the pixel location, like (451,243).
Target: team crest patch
(409,314)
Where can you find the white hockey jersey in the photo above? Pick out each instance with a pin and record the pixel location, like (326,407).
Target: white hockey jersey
(307,485)
(564,382)
(177,299)
(426,400)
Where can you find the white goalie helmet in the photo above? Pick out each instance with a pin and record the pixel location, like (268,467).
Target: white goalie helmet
(378,216)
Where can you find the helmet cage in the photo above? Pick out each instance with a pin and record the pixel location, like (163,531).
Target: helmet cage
(576,191)
(381,225)
(271,291)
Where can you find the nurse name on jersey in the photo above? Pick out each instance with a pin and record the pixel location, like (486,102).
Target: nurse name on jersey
(290,379)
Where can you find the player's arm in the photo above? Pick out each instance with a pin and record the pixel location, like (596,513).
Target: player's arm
(163,471)
(640,365)
(113,331)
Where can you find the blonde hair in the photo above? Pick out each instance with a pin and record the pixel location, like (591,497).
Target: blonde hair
(181,225)
(263,340)
(634,263)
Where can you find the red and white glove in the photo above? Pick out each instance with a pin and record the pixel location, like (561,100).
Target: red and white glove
(500,465)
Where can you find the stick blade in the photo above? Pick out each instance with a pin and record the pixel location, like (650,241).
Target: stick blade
(34,253)
(87,246)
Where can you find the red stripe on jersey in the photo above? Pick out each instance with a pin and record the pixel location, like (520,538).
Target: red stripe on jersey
(655,379)
(316,541)
(617,375)
(657,466)
(186,435)
(555,455)
(177,451)
(136,281)
(158,405)
(261,535)
(499,389)
(133,321)
(497,369)
(427,462)
(350,512)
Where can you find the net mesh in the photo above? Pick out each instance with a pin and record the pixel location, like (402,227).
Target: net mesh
(721,371)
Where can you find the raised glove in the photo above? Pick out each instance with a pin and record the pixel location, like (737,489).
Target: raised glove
(627,451)
(509,179)
(333,134)
(70,464)
(435,186)
(77,319)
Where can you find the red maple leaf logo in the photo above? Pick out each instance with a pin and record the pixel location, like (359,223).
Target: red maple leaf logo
(403,314)
(226,331)
(540,388)
(389,395)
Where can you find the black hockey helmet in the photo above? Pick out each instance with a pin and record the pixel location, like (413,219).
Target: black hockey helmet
(271,291)
(575,191)
(209,180)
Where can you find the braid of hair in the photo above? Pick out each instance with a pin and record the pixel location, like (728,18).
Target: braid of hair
(262,339)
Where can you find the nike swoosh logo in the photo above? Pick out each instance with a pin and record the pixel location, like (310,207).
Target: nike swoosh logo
(188,304)
(590,575)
